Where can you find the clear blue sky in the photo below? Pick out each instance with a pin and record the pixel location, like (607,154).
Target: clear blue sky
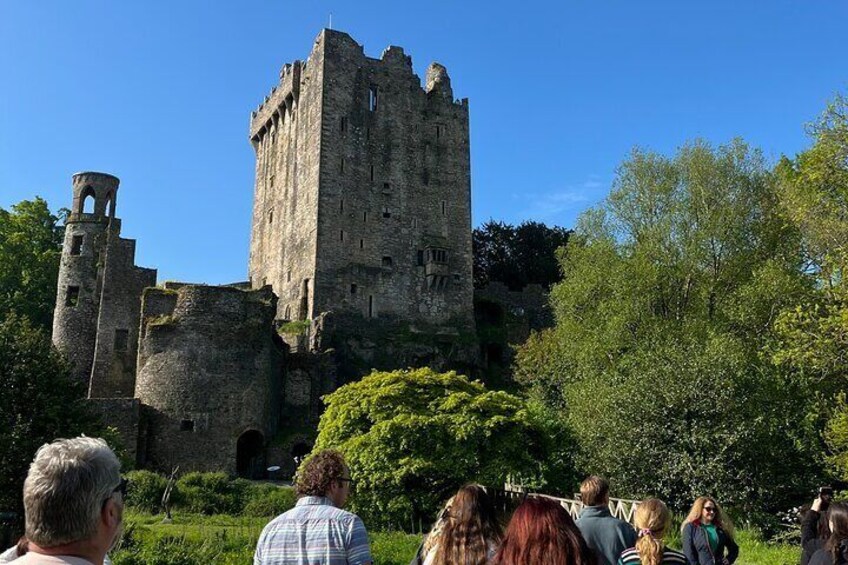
(159,94)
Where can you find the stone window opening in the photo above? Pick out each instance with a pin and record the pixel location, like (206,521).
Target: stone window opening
(387,186)
(387,261)
(121,340)
(341,206)
(76,245)
(444,207)
(362,244)
(72,296)
(456,278)
(186,425)
(342,166)
(364,216)
(372,172)
(386,212)
(87,204)
(438,132)
(109,208)
(370,305)
(353,289)
(271,216)
(372,99)
(343,124)
(271,181)
(287,314)
(341,235)
(420,258)
(367,133)
(288,276)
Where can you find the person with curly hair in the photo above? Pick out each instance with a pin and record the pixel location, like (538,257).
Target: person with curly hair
(708,535)
(317,530)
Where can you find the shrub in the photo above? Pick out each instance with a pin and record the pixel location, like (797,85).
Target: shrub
(145,490)
(267,500)
(210,493)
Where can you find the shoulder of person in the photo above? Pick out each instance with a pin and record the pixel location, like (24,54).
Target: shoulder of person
(673,557)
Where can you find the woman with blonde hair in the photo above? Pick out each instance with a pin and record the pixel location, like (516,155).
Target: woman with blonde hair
(653,519)
(708,535)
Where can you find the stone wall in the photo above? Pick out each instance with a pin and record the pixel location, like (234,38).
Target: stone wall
(362,200)
(209,375)
(124,415)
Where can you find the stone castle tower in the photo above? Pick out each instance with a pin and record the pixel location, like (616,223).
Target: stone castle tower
(96,318)
(362,200)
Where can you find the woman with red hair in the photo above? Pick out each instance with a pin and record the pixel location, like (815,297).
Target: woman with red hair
(541,532)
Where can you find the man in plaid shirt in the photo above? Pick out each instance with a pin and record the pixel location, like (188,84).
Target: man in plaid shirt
(317,531)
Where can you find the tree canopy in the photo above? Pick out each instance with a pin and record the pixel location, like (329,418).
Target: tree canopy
(670,291)
(413,437)
(30,247)
(517,255)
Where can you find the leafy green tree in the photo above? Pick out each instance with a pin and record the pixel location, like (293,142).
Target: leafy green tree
(517,255)
(671,288)
(39,403)
(413,437)
(814,334)
(30,247)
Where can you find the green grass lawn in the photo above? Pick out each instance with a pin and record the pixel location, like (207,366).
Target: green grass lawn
(230,540)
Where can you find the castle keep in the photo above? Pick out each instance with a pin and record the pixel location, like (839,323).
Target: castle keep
(361,241)
(362,200)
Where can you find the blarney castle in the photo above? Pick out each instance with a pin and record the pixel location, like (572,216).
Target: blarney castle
(360,258)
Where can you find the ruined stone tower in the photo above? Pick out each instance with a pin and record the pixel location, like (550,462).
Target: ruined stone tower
(362,201)
(99,291)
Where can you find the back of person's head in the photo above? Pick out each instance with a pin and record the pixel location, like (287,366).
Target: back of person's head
(837,544)
(653,519)
(594,491)
(720,519)
(319,472)
(541,531)
(68,483)
(471,525)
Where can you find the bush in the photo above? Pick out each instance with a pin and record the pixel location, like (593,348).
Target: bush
(267,500)
(145,490)
(211,493)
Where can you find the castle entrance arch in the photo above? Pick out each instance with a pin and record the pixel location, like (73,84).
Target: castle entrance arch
(250,455)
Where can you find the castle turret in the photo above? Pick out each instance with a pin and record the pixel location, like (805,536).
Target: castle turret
(78,296)
(99,291)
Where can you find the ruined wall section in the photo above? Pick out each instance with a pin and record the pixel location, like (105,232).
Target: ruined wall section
(209,370)
(285,132)
(394,226)
(113,373)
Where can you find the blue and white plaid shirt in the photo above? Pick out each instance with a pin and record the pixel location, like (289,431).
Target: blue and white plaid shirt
(314,532)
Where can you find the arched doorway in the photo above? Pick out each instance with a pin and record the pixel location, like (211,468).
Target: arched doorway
(250,455)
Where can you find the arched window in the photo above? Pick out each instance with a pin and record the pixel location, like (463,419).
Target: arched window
(87,197)
(109,209)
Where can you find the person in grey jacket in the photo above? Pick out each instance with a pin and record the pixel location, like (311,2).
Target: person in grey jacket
(605,535)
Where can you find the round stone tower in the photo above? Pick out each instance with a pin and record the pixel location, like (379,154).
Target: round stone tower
(80,271)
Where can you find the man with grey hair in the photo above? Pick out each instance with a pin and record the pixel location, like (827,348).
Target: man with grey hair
(73,503)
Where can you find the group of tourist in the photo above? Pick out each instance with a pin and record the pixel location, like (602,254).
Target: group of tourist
(74,501)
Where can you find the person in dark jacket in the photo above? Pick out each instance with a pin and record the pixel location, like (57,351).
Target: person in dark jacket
(835,551)
(814,528)
(708,535)
(605,535)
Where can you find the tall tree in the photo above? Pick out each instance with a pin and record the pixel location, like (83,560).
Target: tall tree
(30,247)
(670,291)
(517,255)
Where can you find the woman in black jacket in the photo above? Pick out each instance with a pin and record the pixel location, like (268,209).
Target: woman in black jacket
(835,551)
(814,528)
(708,535)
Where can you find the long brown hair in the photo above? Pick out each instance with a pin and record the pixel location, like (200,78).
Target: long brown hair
(470,527)
(721,520)
(542,533)
(837,544)
(652,520)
